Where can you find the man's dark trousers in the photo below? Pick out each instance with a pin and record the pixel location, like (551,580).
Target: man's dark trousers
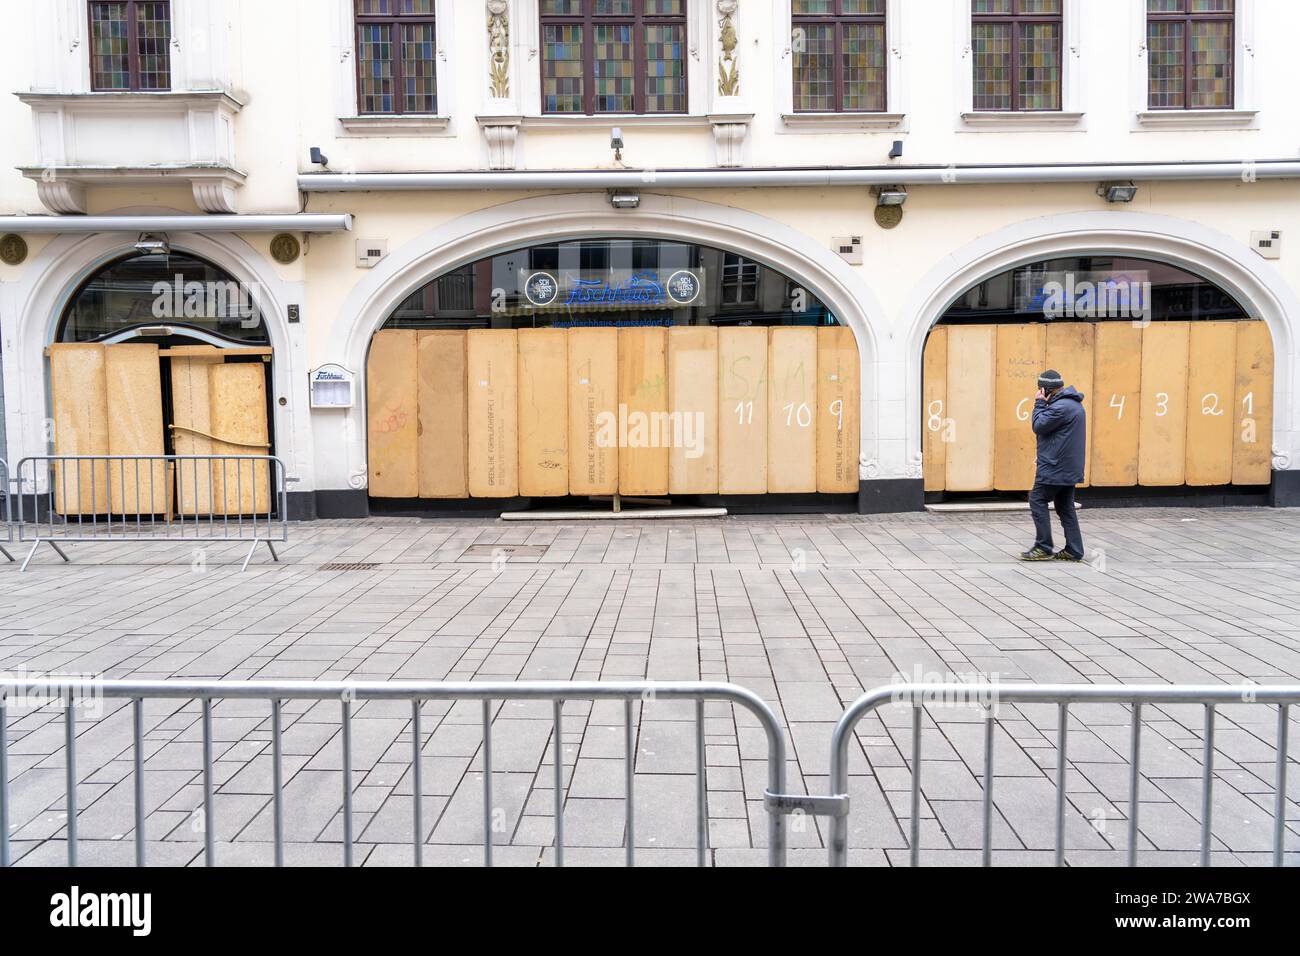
(1063,497)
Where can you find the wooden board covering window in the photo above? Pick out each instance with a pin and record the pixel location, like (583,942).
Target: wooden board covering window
(192,421)
(443,430)
(1071,351)
(1252,441)
(1019,358)
(1162,443)
(838,411)
(971,349)
(543,413)
(79,393)
(392,415)
(742,411)
(934,409)
(593,400)
(1117,417)
(792,420)
(237,397)
(1211,388)
(643,392)
(493,371)
(135,427)
(693,410)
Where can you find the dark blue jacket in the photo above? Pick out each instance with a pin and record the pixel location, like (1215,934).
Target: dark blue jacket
(1062,438)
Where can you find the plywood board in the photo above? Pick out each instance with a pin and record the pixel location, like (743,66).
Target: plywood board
(1071,350)
(1162,442)
(1117,408)
(543,412)
(969,464)
(643,400)
(1211,388)
(934,409)
(742,411)
(1018,358)
(392,416)
(593,411)
(1252,443)
(135,427)
(191,428)
(839,394)
(493,370)
(237,397)
(693,410)
(443,427)
(791,411)
(79,396)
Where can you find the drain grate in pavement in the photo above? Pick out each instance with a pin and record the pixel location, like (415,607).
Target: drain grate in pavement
(349,566)
(505,551)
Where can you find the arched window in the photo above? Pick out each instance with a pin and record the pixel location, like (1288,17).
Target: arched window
(145,292)
(611,282)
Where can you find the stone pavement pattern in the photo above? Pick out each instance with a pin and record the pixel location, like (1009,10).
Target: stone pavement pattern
(806,611)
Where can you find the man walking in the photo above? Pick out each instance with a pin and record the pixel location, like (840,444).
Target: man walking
(1059,423)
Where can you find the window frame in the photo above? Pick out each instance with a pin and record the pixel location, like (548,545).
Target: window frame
(1187,18)
(839,19)
(1015,19)
(394,22)
(588,19)
(132,48)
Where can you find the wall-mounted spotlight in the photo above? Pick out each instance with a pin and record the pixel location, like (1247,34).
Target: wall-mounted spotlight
(624,200)
(890,195)
(153,244)
(616,143)
(896,151)
(319,158)
(1117,192)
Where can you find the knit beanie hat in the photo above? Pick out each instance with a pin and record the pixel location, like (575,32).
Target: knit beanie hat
(1051,380)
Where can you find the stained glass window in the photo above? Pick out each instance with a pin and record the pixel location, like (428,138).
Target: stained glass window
(837,49)
(397,52)
(613,56)
(1016,54)
(130,45)
(1190,54)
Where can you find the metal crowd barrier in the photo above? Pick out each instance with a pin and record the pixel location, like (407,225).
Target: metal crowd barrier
(198,498)
(1063,695)
(6,511)
(275,693)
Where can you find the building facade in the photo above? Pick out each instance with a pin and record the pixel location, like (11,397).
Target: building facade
(770,255)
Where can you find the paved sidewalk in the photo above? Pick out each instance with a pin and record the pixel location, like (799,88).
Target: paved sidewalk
(805,611)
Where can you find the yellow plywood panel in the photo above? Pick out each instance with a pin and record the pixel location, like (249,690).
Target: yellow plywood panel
(135,427)
(971,350)
(742,411)
(237,397)
(791,411)
(593,411)
(1018,356)
(79,395)
(443,429)
(643,400)
(838,411)
(934,406)
(1211,388)
(1071,350)
(191,428)
(1162,442)
(392,414)
(543,412)
(693,410)
(1252,443)
(1116,410)
(493,369)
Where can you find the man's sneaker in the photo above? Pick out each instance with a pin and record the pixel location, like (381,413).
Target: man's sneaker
(1064,555)
(1037,554)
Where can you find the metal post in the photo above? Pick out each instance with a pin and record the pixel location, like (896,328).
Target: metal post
(487,783)
(1207,786)
(347,781)
(70,744)
(137,708)
(417,787)
(629,770)
(558,708)
(4,778)
(1062,731)
(1279,797)
(277,783)
(989,726)
(209,842)
(701,790)
(1134,781)
(914,852)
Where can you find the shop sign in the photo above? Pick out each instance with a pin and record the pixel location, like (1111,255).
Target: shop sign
(637,290)
(332,386)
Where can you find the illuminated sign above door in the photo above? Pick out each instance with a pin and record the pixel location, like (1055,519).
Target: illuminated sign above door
(635,290)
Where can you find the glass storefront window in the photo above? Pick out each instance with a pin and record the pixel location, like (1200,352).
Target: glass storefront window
(174,289)
(1093,289)
(610,282)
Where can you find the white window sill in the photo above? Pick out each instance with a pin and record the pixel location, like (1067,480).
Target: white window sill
(841,122)
(1196,119)
(1021,120)
(397,124)
(581,121)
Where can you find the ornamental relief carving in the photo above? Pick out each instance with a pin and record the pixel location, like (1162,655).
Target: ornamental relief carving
(728,58)
(498,30)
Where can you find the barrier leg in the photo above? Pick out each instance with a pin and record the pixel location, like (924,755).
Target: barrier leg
(249,557)
(270,547)
(32,553)
(58,551)
(6,553)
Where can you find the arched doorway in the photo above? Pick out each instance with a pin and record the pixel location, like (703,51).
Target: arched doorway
(1178,376)
(627,365)
(160,352)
